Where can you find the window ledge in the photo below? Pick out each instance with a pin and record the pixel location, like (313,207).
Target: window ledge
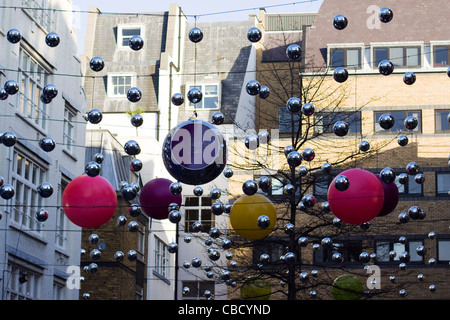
(161,277)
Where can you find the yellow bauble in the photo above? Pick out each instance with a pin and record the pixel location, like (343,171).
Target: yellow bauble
(244,216)
(256,289)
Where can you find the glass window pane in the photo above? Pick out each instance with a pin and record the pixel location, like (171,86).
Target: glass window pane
(206,201)
(444,250)
(413,186)
(353,58)
(398,248)
(191,201)
(380,54)
(396,56)
(382,251)
(131,32)
(337,58)
(211,102)
(442,123)
(417,115)
(354,122)
(440,56)
(443,183)
(412,250)
(412,56)
(277,187)
(211,90)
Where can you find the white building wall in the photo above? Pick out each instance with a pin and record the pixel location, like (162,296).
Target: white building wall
(38,253)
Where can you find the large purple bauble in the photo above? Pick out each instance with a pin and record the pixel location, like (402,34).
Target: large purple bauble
(194,152)
(391,196)
(155,198)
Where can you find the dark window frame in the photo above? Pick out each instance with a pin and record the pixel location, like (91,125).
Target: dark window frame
(336,116)
(441,194)
(434,55)
(437,118)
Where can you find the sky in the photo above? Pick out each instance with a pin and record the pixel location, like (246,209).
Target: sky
(202,10)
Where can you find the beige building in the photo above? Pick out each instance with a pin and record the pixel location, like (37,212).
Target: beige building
(359,101)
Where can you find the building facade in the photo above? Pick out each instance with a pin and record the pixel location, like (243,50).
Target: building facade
(412,256)
(38,250)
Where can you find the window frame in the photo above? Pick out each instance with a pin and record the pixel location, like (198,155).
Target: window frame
(344,247)
(345,62)
(441,194)
(406,247)
(200,105)
(285,119)
(29,290)
(378,130)
(120,36)
(318,123)
(40,12)
(161,253)
(26,196)
(433,55)
(195,293)
(407,189)
(200,208)
(69,127)
(438,120)
(111,87)
(405,48)
(31,84)
(438,244)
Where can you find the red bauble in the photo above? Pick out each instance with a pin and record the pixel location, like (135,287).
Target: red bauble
(89,202)
(361,202)
(390,197)
(155,198)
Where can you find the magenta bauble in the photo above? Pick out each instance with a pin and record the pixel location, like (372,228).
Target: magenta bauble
(89,202)
(361,201)
(155,198)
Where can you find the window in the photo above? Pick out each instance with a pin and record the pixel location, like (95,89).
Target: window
(69,134)
(348,58)
(441,56)
(286,119)
(32,78)
(198,209)
(443,183)
(26,177)
(197,289)
(349,250)
(126,32)
(61,220)
(384,247)
(23,284)
(411,187)
(39,11)
(442,123)
(321,185)
(399,117)
(211,96)
(119,84)
(443,247)
(161,258)
(399,56)
(274,249)
(326,121)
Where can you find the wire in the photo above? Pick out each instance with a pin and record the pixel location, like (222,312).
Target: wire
(156,14)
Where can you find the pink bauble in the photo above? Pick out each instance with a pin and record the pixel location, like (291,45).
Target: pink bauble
(155,198)
(89,202)
(361,201)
